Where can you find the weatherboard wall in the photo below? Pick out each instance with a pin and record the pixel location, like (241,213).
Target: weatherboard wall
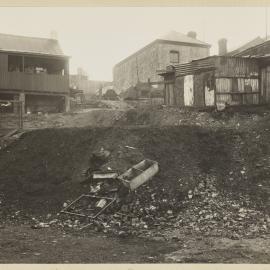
(237,80)
(265,85)
(234,81)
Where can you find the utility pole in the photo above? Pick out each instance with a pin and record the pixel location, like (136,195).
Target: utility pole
(203,26)
(137,68)
(266,23)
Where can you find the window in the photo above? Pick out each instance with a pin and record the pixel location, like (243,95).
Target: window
(36,65)
(174,57)
(15,63)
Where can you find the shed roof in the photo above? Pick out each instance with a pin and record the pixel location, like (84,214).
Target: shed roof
(256,51)
(33,45)
(194,66)
(254,42)
(204,64)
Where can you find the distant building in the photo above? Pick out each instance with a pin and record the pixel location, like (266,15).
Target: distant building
(142,66)
(34,71)
(110,95)
(90,88)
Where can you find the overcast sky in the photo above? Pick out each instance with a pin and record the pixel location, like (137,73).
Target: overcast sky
(98,38)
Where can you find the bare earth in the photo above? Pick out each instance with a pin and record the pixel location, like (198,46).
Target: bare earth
(21,244)
(218,145)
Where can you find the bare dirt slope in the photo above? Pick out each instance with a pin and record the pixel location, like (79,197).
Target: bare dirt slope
(46,162)
(218,166)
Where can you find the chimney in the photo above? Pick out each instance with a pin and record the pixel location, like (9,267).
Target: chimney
(192,34)
(53,35)
(222,46)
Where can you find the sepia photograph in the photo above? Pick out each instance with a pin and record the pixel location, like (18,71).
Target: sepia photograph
(135,134)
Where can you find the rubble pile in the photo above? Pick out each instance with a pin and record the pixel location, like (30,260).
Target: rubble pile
(147,212)
(212,213)
(211,118)
(198,189)
(142,212)
(150,211)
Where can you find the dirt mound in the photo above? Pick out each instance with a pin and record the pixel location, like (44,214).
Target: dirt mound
(240,118)
(44,168)
(82,118)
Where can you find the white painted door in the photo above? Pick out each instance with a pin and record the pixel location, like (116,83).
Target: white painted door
(209,95)
(188,90)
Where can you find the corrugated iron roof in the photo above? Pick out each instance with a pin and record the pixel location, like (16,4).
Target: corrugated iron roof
(256,41)
(179,37)
(244,53)
(23,44)
(194,66)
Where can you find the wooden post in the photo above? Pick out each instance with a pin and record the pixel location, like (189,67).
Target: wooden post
(22,100)
(67,103)
(20,103)
(22,63)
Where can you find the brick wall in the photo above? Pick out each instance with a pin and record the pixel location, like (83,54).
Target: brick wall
(144,64)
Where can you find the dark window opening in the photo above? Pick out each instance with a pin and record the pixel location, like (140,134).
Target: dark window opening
(15,63)
(35,65)
(144,93)
(209,81)
(174,57)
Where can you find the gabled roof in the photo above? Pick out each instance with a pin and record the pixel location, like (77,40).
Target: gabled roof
(179,37)
(33,45)
(171,37)
(254,42)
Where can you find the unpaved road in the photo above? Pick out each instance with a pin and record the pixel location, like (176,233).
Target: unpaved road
(21,244)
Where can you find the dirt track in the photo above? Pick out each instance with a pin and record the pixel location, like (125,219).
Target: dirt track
(21,244)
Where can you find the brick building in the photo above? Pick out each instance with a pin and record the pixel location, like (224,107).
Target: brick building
(142,66)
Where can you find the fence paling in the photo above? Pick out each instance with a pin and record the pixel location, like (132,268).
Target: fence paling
(12,119)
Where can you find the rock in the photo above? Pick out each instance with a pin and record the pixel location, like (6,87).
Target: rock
(235,236)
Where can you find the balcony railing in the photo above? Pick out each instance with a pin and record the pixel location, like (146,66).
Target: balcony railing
(34,82)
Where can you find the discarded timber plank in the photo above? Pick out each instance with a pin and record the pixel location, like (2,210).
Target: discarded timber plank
(9,134)
(139,174)
(104,175)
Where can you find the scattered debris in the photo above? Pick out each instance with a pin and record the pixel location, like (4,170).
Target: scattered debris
(105,175)
(139,174)
(130,147)
(88,206)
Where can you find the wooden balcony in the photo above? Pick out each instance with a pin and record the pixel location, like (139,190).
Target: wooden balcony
(34,82)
